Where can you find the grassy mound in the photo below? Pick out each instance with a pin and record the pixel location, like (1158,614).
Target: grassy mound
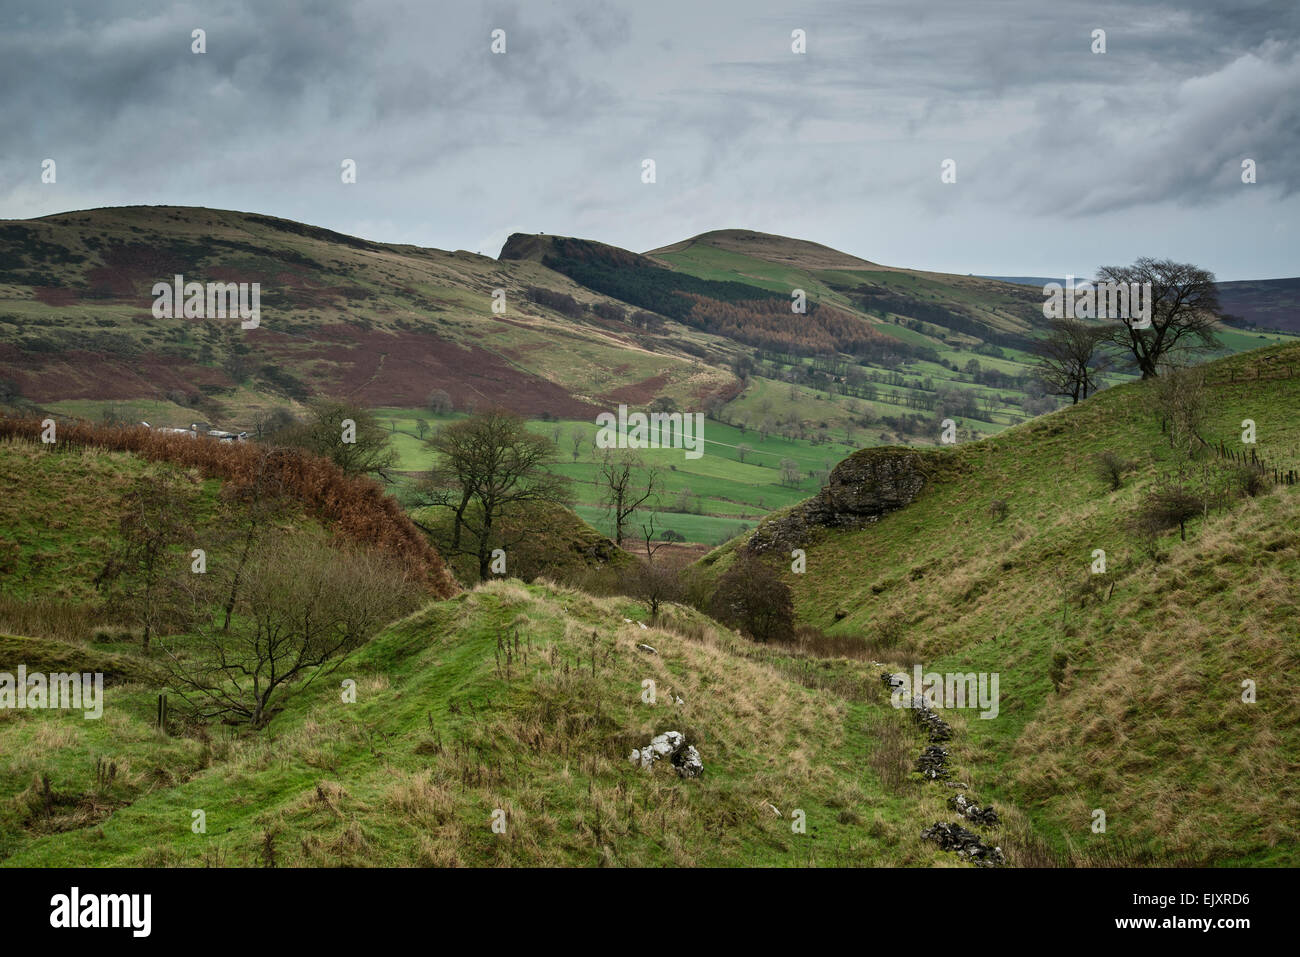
(522,700)
(47,655)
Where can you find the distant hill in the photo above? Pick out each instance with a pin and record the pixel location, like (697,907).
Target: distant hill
(799,253)
(1251,303)
(382,323)
(943,307)
(1028,280)
(783,335)
(1263,303)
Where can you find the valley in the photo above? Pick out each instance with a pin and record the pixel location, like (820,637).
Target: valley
(458,721)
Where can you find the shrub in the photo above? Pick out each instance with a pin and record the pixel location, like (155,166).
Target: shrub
(654,583)
(367,451)
(609,310)
(1168,505)
(561,302)
(108,634)
(890,630)
(752,598)
(45,618)
(1111,468)
(302,607)
(1250,480)
(1056,671)
(438,402)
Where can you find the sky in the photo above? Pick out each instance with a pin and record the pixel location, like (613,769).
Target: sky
(1065,159)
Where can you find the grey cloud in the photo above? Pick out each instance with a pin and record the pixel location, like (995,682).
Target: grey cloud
(456,146)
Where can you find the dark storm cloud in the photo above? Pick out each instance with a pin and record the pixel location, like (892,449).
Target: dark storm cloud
(457,147)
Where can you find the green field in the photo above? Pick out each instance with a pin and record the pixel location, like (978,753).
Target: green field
(729,493)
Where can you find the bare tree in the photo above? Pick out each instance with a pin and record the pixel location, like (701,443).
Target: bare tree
(266,424)
(648,536)
(1069,358)
(626,483)
(304,606)
(1184,310)
(790,473)
(1183,401)
(1170,503)
(249,510)
(347,434)
(449,483)
(752,597)
(654,582)
(438,402)
(1110,467)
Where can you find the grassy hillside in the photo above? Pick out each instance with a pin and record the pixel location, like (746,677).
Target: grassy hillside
(1144,717)
(58,515)
(880,356)
(445,732)
(381,323)
(449,725)
(527,700)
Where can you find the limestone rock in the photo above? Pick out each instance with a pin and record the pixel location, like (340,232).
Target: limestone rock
(688,763)
(868,484)
(672,745)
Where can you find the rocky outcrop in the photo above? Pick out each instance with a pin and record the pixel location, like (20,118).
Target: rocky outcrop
(670,745)
(868,484)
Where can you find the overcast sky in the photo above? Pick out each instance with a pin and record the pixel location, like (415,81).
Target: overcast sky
(1065,159)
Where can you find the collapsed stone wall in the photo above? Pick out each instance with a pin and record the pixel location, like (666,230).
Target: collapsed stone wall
(933,766)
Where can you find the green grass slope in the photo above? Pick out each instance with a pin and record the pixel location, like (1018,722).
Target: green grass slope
(1148,722)
(449,727)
